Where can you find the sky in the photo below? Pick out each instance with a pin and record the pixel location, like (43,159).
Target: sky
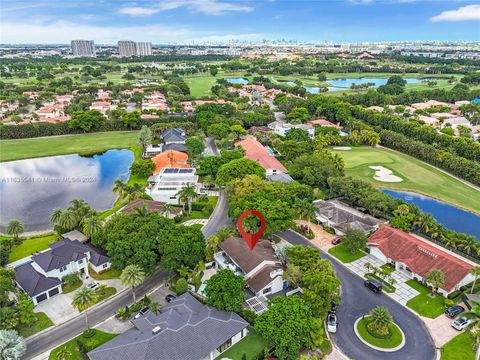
(168,21)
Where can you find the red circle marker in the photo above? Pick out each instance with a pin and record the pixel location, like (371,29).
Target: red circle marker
(251,239)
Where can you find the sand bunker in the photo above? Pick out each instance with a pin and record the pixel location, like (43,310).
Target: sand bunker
(342,148)
(385,175)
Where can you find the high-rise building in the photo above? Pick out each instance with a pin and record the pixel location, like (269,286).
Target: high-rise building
(143,49)
(127,48)
(83,48)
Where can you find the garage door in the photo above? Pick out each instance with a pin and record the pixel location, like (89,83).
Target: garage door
(53,292)
(40,298)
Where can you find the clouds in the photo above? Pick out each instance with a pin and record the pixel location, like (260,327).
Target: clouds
(208,7)
(464,13)
(61,32)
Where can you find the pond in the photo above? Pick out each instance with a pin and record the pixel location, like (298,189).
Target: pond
(30,189)
(450,216)
(344,84)
(241,81)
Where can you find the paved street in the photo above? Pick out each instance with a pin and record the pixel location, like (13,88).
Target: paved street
(219,217)
(357,301)
(62,333)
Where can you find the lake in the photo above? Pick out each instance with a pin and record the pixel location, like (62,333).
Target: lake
(344,84)
(30,189)
(450,216)
(241,81)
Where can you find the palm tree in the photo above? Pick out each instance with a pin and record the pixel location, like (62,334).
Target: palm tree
(15,228)
(12,345)
(306,209)
(55,216)
(436,278)
(403,209)
(132,276)
(380,317)
(133,192)
(154,307)
(469,244)
(67,220)
(451,242)
(167,210)
(144,137)
(224,233)
(91,225)
(142,211)
(119,188)
(64,353)
(475,271)
(187,195)
(82,300)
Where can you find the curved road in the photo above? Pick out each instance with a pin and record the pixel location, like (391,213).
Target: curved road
(357,300)
(57,335)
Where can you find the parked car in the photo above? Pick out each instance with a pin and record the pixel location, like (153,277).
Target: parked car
(94,285)
(141,312)
(454,310)
(336,240)
(170,297)
(332,322)
(460,323)
(333,306)
(373,285)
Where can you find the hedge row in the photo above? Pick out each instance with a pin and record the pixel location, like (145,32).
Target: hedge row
(33,130)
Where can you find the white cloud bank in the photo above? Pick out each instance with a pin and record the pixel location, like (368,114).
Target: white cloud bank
(464,13)
(62,32)
(208,7)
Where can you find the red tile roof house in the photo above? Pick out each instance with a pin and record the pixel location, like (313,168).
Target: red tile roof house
(257,152)
(418,257)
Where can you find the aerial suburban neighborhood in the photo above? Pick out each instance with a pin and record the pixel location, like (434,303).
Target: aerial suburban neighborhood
(226,180)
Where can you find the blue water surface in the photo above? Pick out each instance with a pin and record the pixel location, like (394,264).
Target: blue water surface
(450,216)
(237,81)
(30,189)
(344,84)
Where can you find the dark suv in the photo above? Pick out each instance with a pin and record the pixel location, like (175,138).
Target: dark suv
(453,311)
(373,285)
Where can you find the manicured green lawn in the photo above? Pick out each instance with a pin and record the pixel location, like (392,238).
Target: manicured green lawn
(109,274)
(251,345)
(72,352)
(135,179)
(67,144)
(30,246)
(394,340)
(459,348)
(102,294)
(69,288)
(423,303)
(388,268)
(201,84)
(340,252)
(417,176)
(109,212)
(42,322)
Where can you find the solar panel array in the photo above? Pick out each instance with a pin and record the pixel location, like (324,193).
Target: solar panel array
(177,171)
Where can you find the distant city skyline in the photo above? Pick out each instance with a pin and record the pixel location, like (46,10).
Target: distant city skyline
(168,21)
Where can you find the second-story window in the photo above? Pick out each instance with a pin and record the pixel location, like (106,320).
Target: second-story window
(63,268)
(80,261)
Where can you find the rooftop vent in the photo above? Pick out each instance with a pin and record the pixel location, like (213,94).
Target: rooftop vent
(156,329)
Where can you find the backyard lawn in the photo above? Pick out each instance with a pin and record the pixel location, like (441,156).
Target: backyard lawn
(417,176)
(32,245)
(423,303)
(38,325)
(66,144)
(70,351)
(459,348)
(341,253)
(251,345)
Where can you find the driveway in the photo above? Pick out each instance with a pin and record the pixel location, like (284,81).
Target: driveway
(219,217)
(57,335)
(357,300)
(58,308)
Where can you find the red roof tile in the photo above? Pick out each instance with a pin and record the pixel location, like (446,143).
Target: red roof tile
(419,255)
(257,152)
